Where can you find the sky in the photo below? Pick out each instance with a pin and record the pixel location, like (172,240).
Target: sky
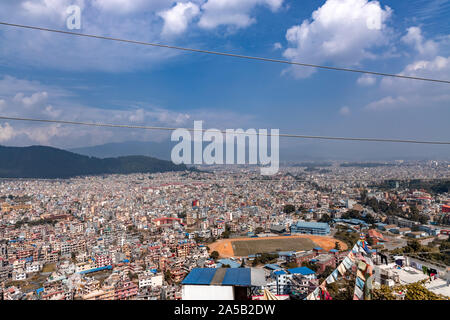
(53,76)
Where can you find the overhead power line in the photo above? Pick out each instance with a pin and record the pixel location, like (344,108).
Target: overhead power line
(224,53)
(284,135)
(233,180)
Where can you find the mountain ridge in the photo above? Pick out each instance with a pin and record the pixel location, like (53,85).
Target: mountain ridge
(43,162)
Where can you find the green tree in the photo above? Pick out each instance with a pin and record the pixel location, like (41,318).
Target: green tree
(337,246)
(288,208)
(214,255)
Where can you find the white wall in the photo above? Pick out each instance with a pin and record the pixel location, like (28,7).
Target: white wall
(191,292)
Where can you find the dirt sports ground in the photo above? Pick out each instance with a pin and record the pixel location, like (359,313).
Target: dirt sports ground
(239,247)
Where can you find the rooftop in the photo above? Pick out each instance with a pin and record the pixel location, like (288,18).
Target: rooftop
(301,270)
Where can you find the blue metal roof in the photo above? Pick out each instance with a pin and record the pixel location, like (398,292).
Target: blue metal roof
(233,277)
(279,272)
(301,270)
(237,277)
(95,269)
(199,276)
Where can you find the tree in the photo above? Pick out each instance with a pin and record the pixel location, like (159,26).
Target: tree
(167,276)
(310,265)
(259,230)
(337,246)
(325,218)
(214,255)
(288,208)
(414,245)
(423,218)
(413,291)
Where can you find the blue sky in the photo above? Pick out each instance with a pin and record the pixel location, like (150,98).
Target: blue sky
(60,77)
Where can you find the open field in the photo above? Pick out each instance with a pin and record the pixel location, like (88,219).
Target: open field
(244,246)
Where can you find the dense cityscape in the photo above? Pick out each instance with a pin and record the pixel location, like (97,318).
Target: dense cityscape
(152,236)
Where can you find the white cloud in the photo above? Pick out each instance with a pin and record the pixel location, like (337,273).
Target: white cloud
(49,9)
(344,111)
(177,18)
(366,80)
(6,132)
(234,13)
(277,46)
(123,7)
(48,50)
(341,32)
(387,103)
(39,101)
(129,19)
(415,38)
(405,93)
(31,101)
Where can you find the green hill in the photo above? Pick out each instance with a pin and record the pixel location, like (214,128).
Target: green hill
(50,163)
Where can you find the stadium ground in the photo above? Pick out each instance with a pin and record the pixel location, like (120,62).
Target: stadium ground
(238,247)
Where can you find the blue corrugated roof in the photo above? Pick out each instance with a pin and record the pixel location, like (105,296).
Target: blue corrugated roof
(233,277)
(279,272)
(237,277)
(301,270)
(96,269)
(199,276)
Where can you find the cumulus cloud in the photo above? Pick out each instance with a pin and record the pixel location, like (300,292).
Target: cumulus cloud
(404,93)
(415,38)
(234,13)
(177,18)
(6,132)
(37,100)
(129,19)
(340,32)
(31,101)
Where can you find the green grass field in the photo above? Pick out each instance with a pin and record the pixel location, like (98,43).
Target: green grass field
(245,248)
